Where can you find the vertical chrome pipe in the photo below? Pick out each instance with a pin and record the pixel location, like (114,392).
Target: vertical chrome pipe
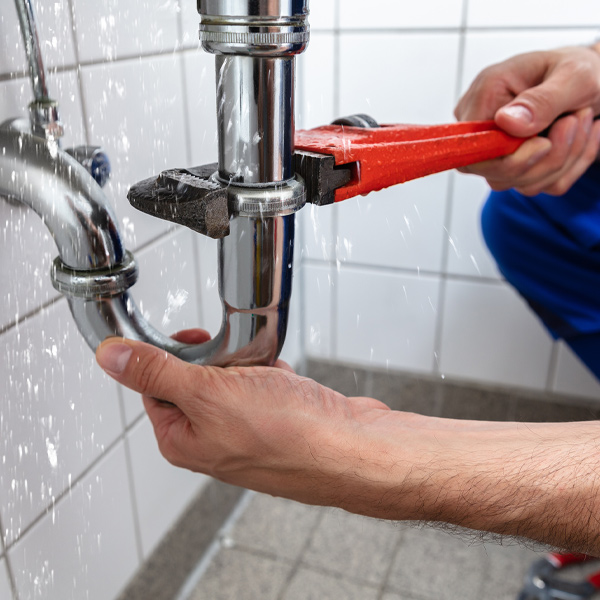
(32,49)
(255,110)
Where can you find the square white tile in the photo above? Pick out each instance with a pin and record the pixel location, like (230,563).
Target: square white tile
(85,546)
(201,101)
(59,413)
(401,14)
(135,110)
(401,226)
(386,319)
(317,283)
(167,295)
(54,33)
(485,48)
(190,20)
(318,240)
(399,77)
(489,334)
(467,252)
(322,14)
(108,29)
(5,589)
(162,491)
(573,377)
(316,80)
(516,13)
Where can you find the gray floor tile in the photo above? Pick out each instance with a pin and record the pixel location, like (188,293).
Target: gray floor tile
(357,547)
(408,393)
(462,402)
(532,411)
(308,584)
(434,565)
(341,378)
(239,575)
(505,571)
(275,525)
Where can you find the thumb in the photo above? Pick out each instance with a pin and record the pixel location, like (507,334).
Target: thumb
(148,370)
(538,107)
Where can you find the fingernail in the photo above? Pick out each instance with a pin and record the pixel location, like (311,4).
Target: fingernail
(518,112)
(572,133)
(537,156)
(113,358)
(588,120)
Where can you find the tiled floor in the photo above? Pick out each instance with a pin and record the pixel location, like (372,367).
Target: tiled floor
(280,550)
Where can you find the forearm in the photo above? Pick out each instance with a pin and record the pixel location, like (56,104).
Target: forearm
(539,481)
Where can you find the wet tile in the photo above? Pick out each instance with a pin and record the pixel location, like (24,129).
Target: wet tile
(408,393)
(347,380)
(354,546)
(312,585)
(463,402)
(277,526)
(243,576)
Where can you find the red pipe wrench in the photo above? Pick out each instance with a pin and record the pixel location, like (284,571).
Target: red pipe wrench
(355,156)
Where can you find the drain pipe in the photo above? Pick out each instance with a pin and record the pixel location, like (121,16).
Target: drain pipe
(255,42)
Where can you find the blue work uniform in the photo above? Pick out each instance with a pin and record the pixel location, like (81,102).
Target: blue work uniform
(548,248)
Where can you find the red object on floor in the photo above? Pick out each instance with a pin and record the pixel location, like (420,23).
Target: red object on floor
(391,154)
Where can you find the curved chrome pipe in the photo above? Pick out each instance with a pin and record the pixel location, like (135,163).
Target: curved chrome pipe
(255,260)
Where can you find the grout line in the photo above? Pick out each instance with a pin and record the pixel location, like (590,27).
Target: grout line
(388,572)
(8,564)
(11,75)
(133,496)
(77,68)
(196,575)
(298,562)
(415,272)
(74,483)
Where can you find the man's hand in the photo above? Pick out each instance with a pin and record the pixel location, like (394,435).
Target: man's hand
(270,430)
(527,94)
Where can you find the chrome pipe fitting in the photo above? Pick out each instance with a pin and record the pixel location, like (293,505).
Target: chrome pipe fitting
(43,111)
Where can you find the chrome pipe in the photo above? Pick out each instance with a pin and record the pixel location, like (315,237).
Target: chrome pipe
(37,72)
(255,116)
(95,272)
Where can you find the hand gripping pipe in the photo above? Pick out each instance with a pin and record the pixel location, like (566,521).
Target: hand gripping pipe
(255,43)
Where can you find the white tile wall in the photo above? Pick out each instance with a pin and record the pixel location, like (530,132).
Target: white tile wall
(61,413)
(135,110)
(108,29)
(402,226)
(317,293)
(467,253)
(489,333)
(84,547)
(527,13)
(403,306)
(5,589)
(161,491)
(148,96)
(401,14)
(399,78)
(572,377)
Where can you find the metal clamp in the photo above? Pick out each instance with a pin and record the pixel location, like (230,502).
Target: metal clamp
(97,283)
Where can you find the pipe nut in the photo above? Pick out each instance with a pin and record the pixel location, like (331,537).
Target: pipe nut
(97,283)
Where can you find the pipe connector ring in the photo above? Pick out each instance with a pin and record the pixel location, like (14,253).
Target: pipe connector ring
(97,283)
(274,200)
